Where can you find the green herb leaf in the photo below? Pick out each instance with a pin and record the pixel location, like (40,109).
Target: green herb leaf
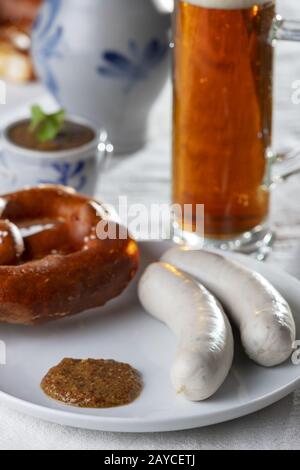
(37,116)
(46,126)
(47,131)
(59,117)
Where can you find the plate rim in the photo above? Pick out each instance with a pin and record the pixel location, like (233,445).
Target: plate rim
(115,424)
(147,424)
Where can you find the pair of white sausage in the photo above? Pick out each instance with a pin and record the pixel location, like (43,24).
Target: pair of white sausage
(205,350)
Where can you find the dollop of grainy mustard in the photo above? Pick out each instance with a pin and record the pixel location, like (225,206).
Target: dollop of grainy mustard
(93,383)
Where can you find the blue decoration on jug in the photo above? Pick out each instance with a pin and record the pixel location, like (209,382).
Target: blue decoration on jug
(68,174)
(48,43)
(135,66)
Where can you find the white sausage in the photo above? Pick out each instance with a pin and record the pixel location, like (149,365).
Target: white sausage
(264,318)
(205,352)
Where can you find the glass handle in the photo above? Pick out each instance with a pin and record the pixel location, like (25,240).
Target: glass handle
(286,166)
(284,176)
(288,174)
(285,30)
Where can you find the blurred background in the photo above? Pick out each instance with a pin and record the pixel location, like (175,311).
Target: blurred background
(16,19)
(145,176)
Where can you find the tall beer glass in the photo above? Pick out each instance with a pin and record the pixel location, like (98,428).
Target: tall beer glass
(222,118)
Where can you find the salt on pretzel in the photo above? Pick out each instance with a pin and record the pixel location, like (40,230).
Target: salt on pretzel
(11,243)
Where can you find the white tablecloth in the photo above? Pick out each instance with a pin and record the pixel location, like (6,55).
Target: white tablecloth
(146,176)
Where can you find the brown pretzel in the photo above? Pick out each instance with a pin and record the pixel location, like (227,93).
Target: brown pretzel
(64,268)
(11,243)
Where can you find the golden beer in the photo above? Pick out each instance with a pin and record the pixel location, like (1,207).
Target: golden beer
(222,125)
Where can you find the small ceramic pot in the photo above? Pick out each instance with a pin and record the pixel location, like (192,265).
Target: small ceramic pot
(106,60)
(77,168)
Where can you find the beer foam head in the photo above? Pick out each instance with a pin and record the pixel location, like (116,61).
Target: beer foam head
(227,4)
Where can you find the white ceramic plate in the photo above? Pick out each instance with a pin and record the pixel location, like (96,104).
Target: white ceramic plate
(122,331)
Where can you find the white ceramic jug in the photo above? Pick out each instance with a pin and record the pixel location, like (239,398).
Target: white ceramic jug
(106,60)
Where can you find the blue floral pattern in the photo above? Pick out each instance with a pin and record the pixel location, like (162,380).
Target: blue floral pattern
(47,42)
(68,174)
(135,66)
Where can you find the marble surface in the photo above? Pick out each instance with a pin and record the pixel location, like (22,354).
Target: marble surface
(145,177)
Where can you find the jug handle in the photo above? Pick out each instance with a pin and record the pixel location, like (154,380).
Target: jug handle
(164,6)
